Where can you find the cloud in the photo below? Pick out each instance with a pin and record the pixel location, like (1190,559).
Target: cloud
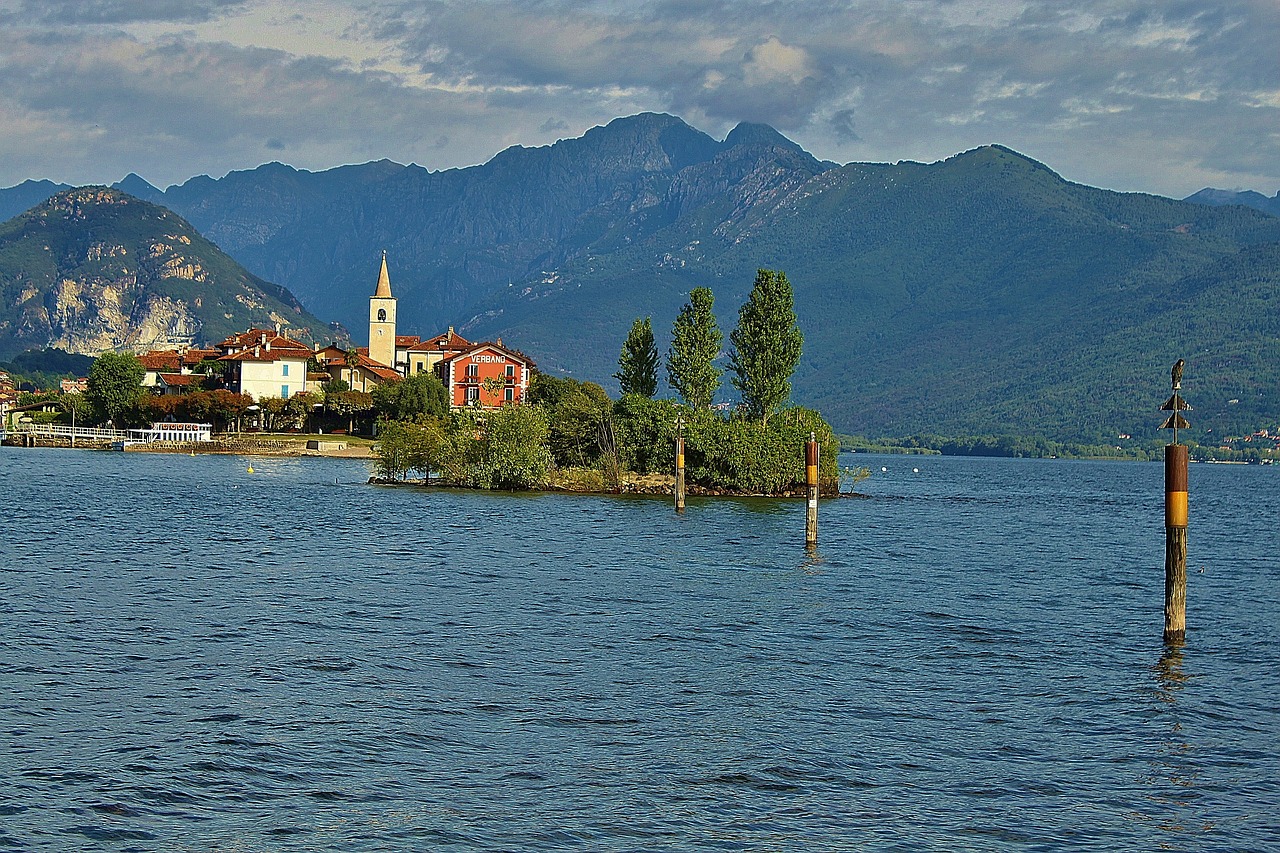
(122,11)
(172,108)
(842,126)
(1134,94)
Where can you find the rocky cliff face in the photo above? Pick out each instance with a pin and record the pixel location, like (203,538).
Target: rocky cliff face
(95,269)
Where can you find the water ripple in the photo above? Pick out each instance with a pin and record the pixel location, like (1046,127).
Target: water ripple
(958,667)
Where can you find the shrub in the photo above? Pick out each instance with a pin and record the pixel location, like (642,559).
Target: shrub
(747,455)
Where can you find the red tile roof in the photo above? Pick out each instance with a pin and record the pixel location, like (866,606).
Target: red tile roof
(194,356)
(260,338)
(157,360)
(334,354)
(449,341)
(261,353)
(490,345)
(177,379)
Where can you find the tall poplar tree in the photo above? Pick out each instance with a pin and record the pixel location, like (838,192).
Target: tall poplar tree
(766,345)
(115,381)
(638,362)
(695,343)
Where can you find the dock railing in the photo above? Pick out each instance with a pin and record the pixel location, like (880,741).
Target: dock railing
(63,431)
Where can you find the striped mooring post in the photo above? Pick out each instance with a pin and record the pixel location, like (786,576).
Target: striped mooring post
(811,482)
(1175,516)
(679,473)
(1175,543)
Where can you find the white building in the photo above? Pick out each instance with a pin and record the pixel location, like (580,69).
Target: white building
(264,363)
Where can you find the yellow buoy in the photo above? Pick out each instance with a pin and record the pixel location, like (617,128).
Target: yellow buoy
(250,469)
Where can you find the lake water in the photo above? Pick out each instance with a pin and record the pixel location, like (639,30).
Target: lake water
(193,657)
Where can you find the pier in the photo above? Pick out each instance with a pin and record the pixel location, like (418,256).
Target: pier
(32,434)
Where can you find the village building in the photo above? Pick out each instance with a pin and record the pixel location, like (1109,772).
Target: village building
(487,375)
(423,356)
(264,363)
(177,383)
(8,394)
(14,414)
(183,361)
(354,367)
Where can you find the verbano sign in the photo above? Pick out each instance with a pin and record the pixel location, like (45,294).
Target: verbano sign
(490,359)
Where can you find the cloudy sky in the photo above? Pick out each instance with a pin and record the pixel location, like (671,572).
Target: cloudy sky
(1163,96)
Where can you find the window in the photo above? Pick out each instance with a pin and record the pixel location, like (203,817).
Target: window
(284,392)
(473,370)
(511,371)
(285,369)
(473,394)
(382,315)
(510,396)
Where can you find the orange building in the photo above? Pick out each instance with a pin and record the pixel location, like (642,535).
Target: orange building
(487,375)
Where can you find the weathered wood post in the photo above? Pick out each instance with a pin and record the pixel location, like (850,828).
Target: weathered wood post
(1175,516)
(811,482)
(680,464)
(1175,543)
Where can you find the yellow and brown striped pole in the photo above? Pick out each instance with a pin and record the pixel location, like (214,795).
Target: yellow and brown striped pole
(811,482)
(1175,543)
(679,473)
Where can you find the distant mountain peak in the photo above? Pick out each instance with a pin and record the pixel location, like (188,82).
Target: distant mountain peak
(647,120)
(751,133)
(138,187)
(752,137)
(1211,197)
(995,153)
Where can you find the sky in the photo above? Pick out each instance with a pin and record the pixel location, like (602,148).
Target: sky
(1161,96)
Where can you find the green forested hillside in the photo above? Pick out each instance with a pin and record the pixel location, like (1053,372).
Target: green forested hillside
(979,295)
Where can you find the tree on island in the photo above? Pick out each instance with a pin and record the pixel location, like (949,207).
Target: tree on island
(414,398)
(766,345)
(638,362)
(404,447)
(349,404)
(115,381)
(695,343)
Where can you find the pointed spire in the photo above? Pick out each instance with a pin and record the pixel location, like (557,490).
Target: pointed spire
(384,280)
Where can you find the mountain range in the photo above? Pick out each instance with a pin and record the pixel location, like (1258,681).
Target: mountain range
(1244,198)
(980,294)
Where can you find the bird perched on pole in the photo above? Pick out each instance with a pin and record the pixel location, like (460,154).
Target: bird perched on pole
(1177,374)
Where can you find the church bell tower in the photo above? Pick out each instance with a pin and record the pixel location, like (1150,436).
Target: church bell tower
(382,320)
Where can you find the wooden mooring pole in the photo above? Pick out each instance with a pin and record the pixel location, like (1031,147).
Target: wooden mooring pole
(811,482)
(679,473)
(1175,516)
(1175,543)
